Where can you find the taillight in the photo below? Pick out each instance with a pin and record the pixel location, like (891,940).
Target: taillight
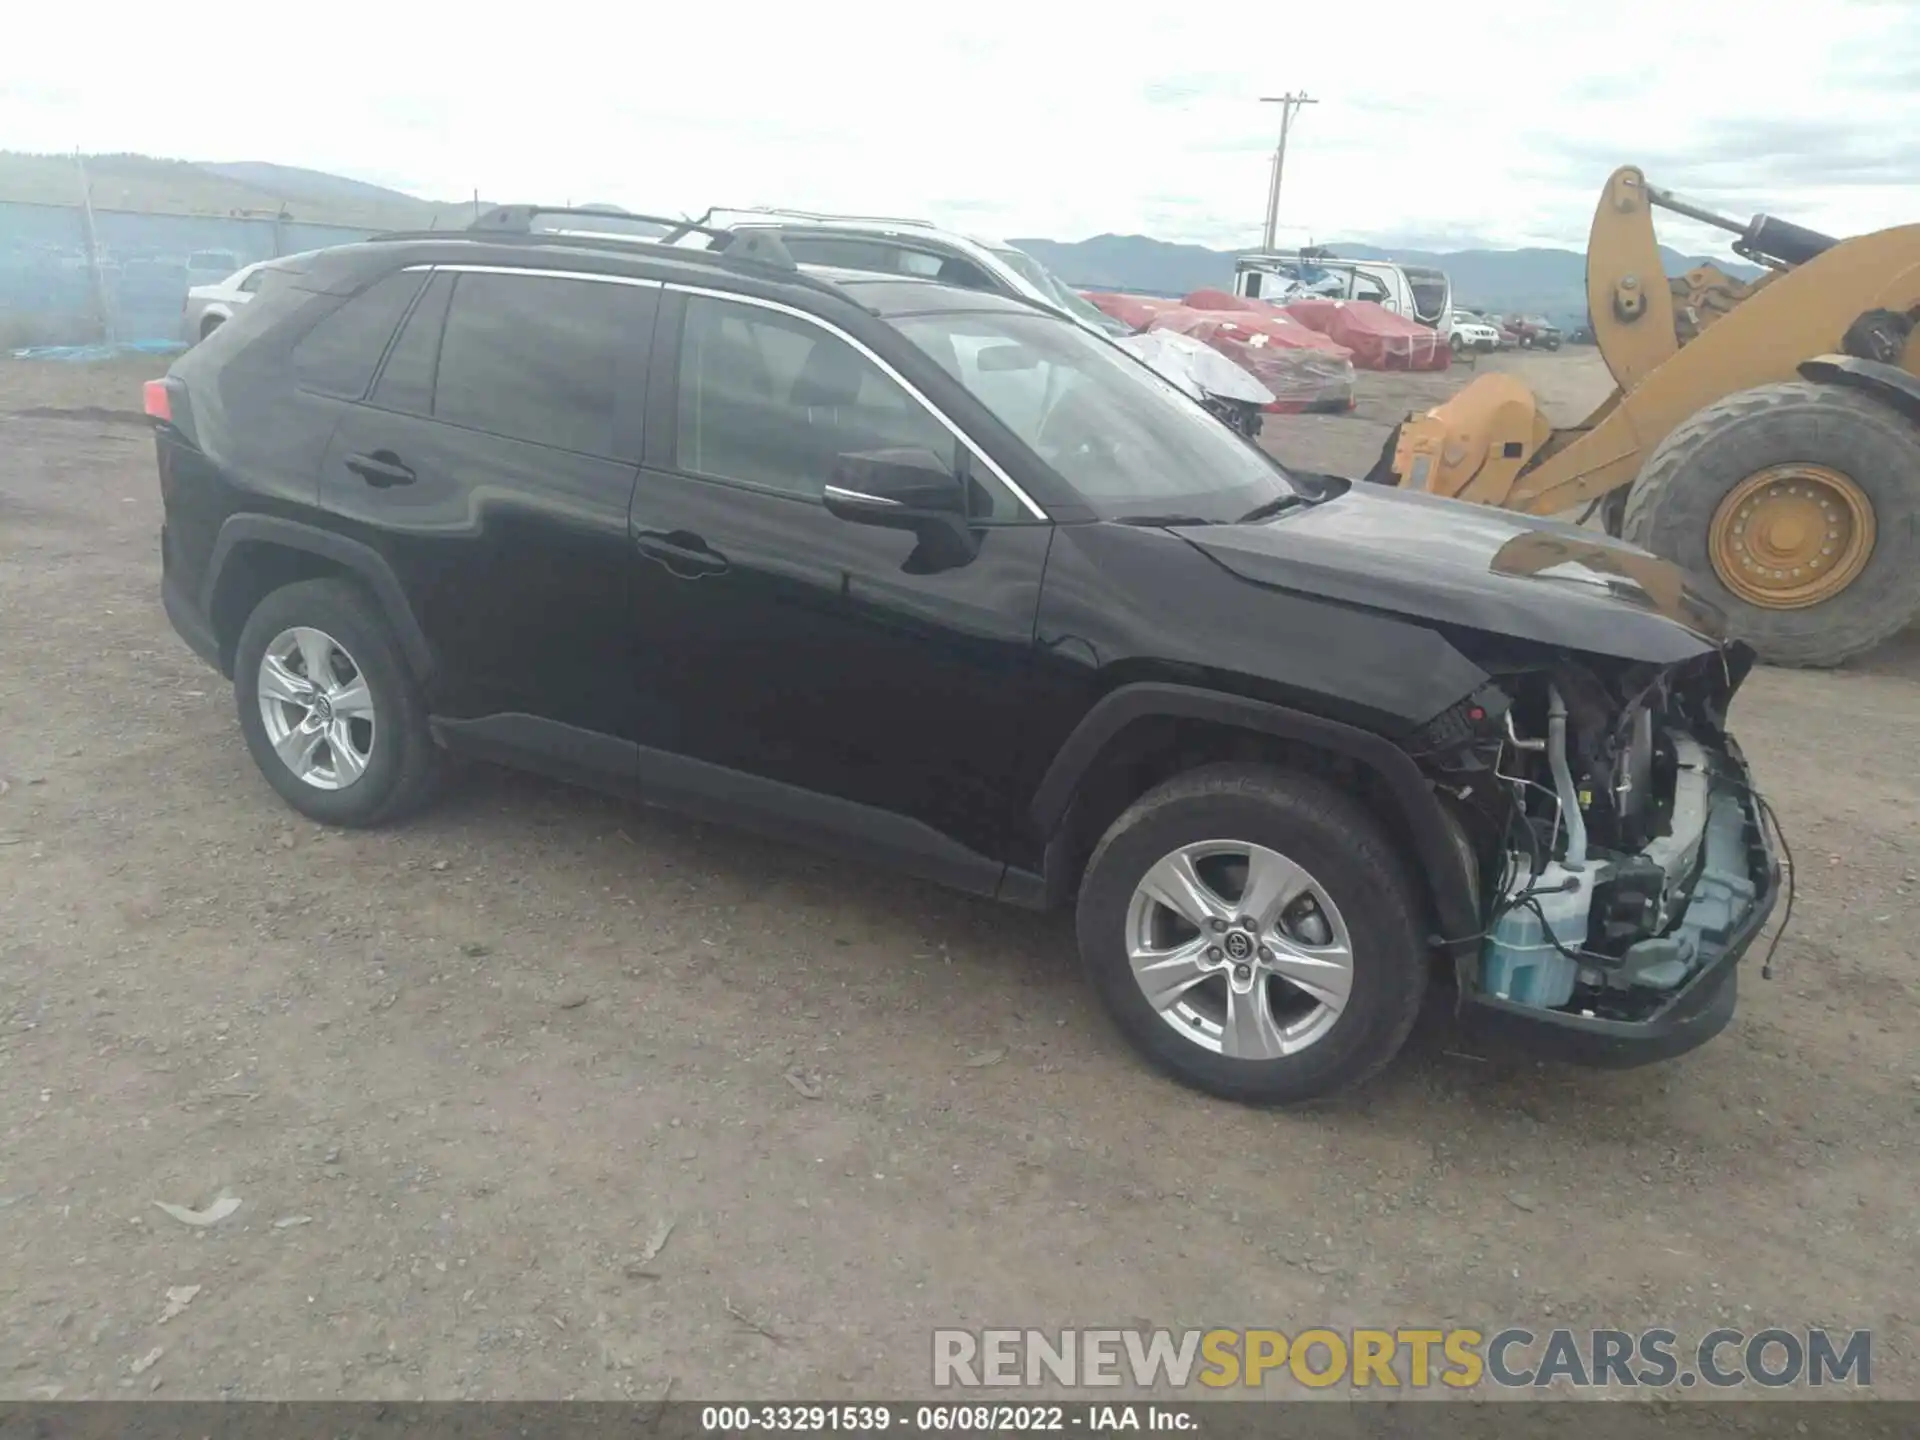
(159,404)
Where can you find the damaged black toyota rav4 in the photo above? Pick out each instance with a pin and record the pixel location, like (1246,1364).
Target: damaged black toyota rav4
(926,576)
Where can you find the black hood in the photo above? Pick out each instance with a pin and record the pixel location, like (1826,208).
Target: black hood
(1470,565)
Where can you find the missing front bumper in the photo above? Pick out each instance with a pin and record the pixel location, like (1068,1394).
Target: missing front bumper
(1691,1014)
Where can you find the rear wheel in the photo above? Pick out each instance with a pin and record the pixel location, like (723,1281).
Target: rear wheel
(1794,508)
(329,709)
(1254,934)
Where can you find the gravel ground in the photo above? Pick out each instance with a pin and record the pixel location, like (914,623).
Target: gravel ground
(464,1075)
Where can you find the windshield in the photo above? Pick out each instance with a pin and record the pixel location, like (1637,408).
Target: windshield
(1131,444)
(1056,289)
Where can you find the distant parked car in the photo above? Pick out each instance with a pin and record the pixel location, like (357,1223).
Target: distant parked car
(207,307)
(1536,332)
(1466,333)
(205,267)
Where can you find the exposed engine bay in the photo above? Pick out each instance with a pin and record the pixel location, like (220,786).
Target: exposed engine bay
(1611,826)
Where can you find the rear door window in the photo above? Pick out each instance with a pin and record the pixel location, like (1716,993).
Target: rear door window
(546,359)
(406,381)
(340,353)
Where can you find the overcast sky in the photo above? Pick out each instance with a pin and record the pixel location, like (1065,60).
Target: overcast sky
(1440,125)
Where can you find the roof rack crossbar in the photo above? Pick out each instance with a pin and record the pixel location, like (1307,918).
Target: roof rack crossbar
(517,220)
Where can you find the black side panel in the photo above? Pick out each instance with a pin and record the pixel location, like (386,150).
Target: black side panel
(362,560)
(1409,787)
(547,747)
(730,797)
(806,817)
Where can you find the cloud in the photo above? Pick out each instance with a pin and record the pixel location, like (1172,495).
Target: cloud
(1025,118)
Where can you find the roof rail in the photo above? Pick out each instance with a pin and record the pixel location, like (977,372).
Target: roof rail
(781,212)
(517,221)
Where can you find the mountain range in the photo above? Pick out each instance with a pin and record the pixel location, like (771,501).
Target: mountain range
(1532,281)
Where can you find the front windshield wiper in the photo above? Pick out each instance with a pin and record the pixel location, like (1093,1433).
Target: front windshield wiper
(1271,508)
(1162,520)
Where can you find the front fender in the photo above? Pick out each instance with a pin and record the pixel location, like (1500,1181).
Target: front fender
(1888,383)
(1445,875)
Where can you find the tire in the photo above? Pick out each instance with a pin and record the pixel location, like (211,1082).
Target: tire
(1671,507)
(1352,864)
(402,765)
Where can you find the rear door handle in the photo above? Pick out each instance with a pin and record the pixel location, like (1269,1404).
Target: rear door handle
(381,469)
(683,553)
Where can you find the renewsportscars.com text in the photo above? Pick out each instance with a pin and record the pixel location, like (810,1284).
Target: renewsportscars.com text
(1510,1358)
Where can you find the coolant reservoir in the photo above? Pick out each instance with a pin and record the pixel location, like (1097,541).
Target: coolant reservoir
(1519,961)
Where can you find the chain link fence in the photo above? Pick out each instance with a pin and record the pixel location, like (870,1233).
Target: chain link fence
(73,276)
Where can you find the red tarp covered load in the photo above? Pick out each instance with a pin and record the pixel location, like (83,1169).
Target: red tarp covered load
(1303,369)
(1136,311)
(1377,338)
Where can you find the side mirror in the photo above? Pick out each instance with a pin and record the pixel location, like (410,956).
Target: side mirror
(895,489)
(906,489)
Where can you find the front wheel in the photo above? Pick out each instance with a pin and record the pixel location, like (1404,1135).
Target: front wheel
(1796,509)
(1254,934)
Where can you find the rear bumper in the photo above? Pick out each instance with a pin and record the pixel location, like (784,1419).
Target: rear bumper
(189,621)
(1696,1012)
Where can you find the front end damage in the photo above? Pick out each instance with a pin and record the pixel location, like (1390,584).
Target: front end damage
(1619,857)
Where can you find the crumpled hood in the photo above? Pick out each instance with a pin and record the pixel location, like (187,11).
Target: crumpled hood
(1474,566)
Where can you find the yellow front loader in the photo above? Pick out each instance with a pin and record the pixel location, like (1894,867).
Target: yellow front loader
(1763,435)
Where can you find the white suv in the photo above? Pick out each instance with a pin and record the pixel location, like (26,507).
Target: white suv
(1467,333)
(915,247)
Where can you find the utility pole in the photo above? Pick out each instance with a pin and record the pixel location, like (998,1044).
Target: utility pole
(1289,104)
(91,234)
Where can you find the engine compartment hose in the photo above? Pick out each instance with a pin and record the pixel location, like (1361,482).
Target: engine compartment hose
(1570,816)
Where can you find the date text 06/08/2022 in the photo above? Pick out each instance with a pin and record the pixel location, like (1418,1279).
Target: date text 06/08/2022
(942,1419)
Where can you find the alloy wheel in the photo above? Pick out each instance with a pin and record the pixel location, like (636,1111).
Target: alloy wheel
(1240,949)
(316,707)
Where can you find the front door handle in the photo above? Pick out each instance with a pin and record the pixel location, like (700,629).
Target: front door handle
(382,469)
(683,553)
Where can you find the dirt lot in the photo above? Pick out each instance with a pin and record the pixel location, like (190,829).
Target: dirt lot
(462,1075)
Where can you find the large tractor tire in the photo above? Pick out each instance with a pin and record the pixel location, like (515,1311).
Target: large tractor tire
(1795,507)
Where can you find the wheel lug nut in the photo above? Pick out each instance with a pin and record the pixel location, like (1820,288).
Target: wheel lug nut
(1217,925)
(1243,972)
(1213,953)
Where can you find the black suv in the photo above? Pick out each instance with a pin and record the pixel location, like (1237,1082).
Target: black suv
(935,577)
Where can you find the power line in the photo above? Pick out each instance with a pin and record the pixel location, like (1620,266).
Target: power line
(1289,104)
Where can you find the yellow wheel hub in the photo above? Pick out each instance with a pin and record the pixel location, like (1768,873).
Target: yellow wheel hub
(1791,536)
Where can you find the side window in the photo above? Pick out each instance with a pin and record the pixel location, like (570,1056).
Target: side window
(252,282)
(406,380)
(545,359)
(861,252)
(338,355)
(1366,287)
(774,401)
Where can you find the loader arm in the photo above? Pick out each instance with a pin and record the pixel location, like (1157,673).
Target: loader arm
(1797,315)
(1628,296)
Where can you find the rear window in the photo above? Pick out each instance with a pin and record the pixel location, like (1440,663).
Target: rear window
(339,354)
